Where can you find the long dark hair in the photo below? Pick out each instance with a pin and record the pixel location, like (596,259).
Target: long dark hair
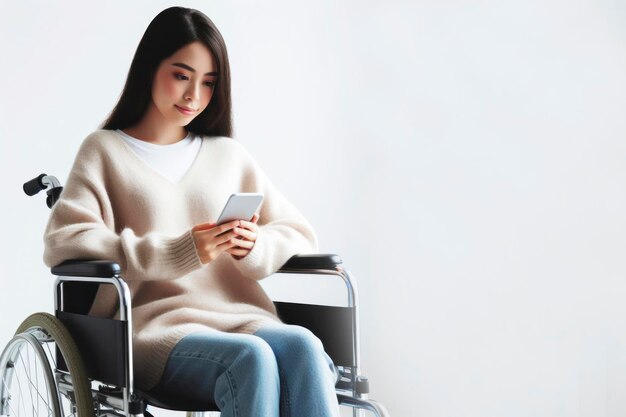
(170,30)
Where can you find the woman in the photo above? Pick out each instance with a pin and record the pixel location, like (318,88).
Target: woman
(142,191)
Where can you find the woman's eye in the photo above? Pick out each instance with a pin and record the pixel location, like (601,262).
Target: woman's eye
(183,77)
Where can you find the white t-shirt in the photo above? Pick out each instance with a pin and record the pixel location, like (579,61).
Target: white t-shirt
(171,161)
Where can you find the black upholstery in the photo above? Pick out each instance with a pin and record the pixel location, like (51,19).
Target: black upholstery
(78,296)
(86,268)
(101,342)
(313,261)
(178,402)
(332,325)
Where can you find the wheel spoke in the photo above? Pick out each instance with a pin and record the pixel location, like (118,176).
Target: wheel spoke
(28,375)
(21,398)
(6,386)
(48,339)
(13,413)
(45,400)
(30,383)
(37,383)
(52,357)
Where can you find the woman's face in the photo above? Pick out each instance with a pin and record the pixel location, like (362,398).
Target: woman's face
(181,81)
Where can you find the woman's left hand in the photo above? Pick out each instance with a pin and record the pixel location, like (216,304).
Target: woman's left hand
(248,232)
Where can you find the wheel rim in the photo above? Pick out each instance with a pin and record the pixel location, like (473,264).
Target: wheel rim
(29,379)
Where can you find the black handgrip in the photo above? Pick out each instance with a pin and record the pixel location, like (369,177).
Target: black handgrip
(53,196)
(35,185)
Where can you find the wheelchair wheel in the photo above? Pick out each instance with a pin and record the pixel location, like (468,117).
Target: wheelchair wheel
(31,383)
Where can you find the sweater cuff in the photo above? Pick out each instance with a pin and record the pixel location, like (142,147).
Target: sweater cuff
(251,265)
(181,255)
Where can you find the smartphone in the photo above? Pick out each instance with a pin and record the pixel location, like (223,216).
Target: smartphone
(240,206)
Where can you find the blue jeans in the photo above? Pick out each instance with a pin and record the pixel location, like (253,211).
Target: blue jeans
(281,370)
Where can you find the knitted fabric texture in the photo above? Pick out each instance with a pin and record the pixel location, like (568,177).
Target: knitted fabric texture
(116,207)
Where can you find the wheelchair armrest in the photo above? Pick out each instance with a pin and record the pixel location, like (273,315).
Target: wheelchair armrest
(312,261)
(87,268)
(107,269)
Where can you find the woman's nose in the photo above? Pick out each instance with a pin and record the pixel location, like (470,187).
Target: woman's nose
(193,92)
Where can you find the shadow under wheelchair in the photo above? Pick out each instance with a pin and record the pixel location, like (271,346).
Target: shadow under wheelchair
(71,363)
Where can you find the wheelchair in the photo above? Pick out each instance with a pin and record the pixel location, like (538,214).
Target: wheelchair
(71,363)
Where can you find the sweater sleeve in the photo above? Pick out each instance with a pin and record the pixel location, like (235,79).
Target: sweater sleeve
(283,230)
(81,226)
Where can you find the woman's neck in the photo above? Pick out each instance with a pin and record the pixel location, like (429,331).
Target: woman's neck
(153,129)
(155,138)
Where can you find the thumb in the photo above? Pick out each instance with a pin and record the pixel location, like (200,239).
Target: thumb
(255,218)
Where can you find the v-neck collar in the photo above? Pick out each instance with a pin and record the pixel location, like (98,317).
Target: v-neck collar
(153,171)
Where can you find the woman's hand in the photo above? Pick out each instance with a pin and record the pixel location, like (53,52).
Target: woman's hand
(212,240)
(248,232)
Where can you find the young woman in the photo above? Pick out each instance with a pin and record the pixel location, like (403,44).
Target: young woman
(144,190)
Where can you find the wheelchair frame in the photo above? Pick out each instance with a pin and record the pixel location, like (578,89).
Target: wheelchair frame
(352,388)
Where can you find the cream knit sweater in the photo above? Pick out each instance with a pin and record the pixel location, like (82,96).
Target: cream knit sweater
(116,207)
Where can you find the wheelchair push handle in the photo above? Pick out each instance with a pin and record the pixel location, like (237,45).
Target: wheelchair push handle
(35,185)
(44,182)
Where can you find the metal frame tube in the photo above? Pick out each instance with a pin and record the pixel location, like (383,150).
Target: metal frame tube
(358,404)
(353,302)
(125,310)
(50,181)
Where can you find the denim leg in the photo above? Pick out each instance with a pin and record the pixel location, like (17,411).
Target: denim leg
(307,374)
(238,372)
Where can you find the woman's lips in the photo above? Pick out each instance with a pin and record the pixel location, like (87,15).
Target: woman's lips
(184,111)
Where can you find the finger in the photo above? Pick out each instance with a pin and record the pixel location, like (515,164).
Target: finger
(203,226)
(253,221)
(249,225)
(245,233)
(237,251)
(226,237)
(243,243)
(228,243)
(225,227)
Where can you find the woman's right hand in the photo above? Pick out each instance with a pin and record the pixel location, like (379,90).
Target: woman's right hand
(212,240)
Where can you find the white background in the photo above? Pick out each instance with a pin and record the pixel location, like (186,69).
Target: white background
(465,159)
